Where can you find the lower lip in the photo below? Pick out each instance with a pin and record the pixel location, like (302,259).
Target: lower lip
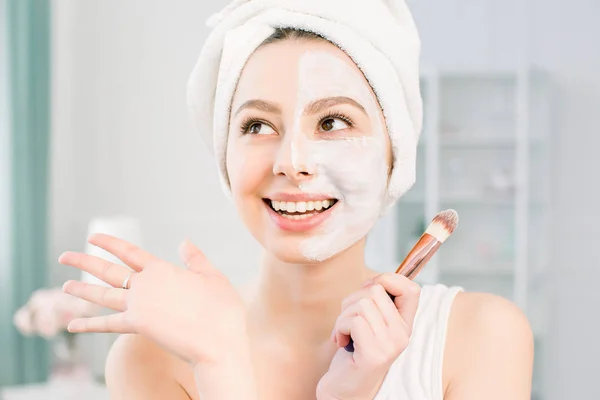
(300,225)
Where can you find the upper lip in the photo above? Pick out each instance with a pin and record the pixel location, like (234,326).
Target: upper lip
(294,197)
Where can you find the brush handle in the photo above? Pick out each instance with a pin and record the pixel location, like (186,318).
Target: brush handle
(350,346)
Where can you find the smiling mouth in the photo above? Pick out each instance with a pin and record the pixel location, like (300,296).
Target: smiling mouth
(297,210)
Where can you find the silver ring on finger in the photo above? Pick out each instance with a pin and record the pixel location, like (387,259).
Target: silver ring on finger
(127,282)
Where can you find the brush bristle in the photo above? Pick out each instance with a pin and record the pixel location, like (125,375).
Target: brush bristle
(443,224)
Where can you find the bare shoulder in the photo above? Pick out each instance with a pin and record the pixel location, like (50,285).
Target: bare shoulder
(489,349)
(485,311)
(137,368)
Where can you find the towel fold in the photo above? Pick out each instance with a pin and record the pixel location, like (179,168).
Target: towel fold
(379,36)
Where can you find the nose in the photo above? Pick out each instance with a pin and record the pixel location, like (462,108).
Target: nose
(293,159)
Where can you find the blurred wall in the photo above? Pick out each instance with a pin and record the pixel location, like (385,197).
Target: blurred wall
(123,141)
(116,63)
(5,154)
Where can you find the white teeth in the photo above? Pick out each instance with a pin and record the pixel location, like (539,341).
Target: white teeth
(301,206)
(291,207)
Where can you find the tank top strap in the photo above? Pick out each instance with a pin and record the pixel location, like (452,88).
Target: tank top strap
(417,372)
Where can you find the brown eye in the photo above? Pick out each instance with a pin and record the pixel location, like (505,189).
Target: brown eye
(255,128)
(334,124)
(327,125)
(258,128)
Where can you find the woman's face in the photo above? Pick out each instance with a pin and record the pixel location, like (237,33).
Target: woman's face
(308,152)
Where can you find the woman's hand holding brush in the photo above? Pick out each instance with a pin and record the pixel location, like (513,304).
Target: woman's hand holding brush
(381,329)
(195,313)
(376,322)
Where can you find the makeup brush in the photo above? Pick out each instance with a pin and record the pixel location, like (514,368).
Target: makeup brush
(441,227)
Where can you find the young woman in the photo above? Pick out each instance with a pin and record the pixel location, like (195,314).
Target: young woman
(309,157)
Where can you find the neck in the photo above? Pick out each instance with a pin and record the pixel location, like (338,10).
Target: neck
(302,301)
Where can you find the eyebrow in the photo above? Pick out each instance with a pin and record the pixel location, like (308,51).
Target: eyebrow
(260,105)
(321,104)
(312,108)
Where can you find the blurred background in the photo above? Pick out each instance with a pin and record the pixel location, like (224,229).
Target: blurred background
(95,136)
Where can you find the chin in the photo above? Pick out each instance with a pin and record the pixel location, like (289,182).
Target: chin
(288,251)
(293,251)
(294,258)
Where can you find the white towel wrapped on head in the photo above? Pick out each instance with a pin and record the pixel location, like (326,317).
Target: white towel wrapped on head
(379,36)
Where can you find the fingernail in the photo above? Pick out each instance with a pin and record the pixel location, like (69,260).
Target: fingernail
(182,248)
(72,327)
(63,255)
(186,243)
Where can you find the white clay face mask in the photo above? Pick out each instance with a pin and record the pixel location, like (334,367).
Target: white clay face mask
(350,169)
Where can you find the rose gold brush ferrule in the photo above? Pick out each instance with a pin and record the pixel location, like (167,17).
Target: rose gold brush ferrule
(422,251)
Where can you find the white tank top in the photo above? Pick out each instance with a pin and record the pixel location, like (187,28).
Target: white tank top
(417,372)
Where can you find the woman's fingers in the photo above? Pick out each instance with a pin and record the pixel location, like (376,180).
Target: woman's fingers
(105,297)
(130,254)
(358,327)
(113,274)
(355,296)
(390,321)
(386,307)
(115,323)
(366,309)
(407,294)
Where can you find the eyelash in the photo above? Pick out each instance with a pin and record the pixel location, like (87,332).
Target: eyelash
(337,115)
(249,121)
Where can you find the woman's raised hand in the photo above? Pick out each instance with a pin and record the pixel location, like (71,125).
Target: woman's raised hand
(195,313)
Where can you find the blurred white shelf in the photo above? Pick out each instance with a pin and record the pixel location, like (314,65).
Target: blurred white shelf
(476,199)
(496,271)
(477,122)
(475,73)
(411,200)
(470,200)
(480,142)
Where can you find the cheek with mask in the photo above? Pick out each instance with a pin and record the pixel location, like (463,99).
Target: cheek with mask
(352,169)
